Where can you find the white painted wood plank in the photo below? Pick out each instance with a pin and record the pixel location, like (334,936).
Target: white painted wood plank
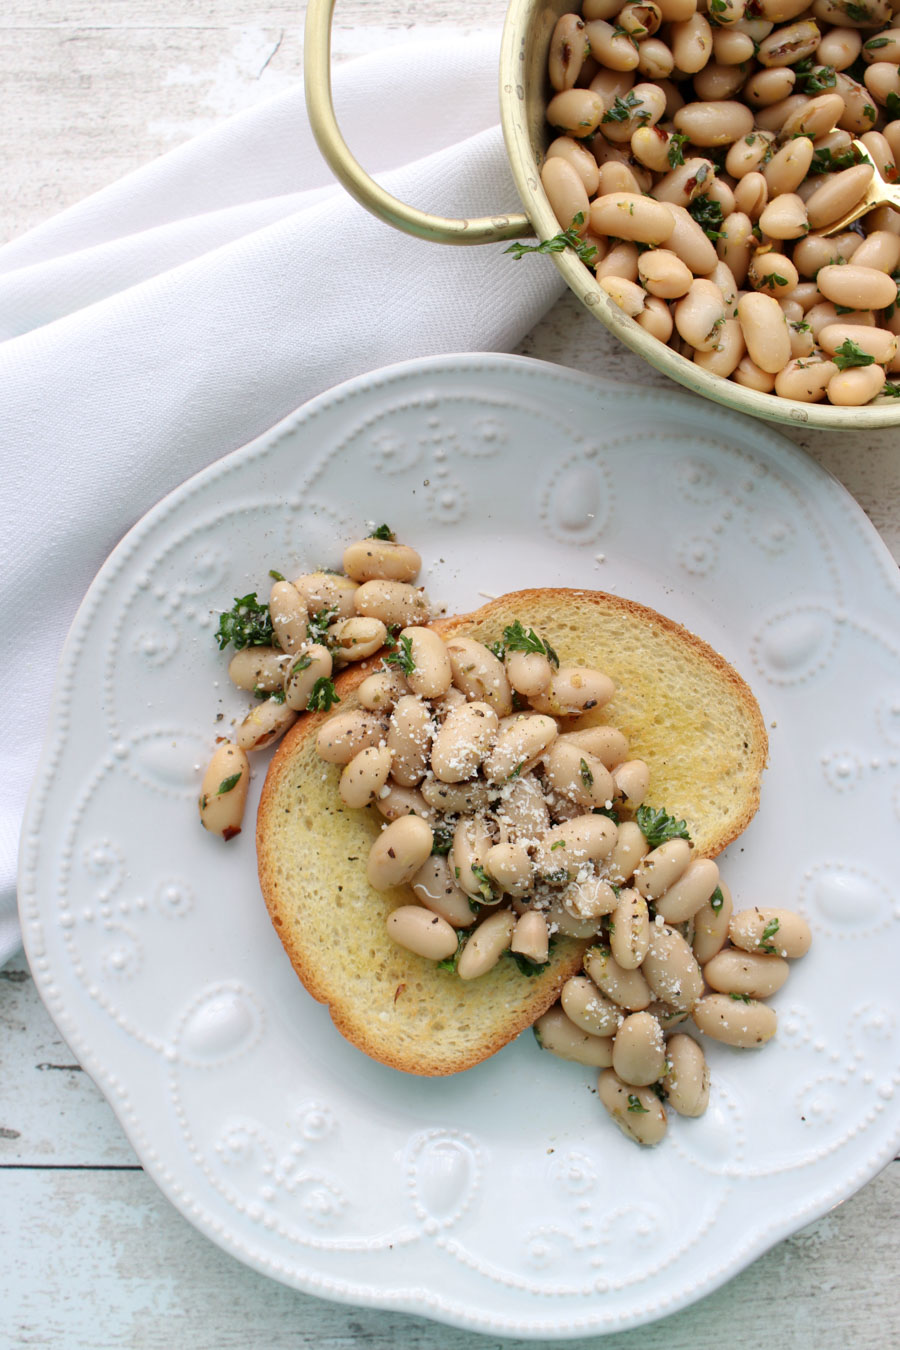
(87,96)
(51,1113)
(126,1270)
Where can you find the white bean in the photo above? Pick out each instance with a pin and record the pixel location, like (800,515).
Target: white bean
(223,792)
(399,852)
(554,1032)
(381,560)
(365,775)
(639,1050)
(480,674)
(637,1111)
(423,932)
(487,944)
(395,603)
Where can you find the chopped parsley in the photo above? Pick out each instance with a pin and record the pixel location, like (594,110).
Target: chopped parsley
(276,576)
(625,108)
(402,656)
(586,776)
(773,279)
(227,784)
(874,43)
(276,696)
(892,104)
(442,838)
(569,238)
(484,882)
(560,843)
(516,771)
(322,696)
(708,214)
(740,998)
(813,79)
(891,390)
(675,153)
(851,354)
(302,663)
(383,532)
(317,624)
(450,962)
(609,811)
(634,1104)
(831,161)
(765,942)
(519,639)
(717,900)
(657,826)
(247,624)
(525,963)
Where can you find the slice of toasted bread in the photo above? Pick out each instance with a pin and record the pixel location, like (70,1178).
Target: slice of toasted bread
(683,709)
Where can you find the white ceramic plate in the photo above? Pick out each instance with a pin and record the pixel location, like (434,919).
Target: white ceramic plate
(502,1199)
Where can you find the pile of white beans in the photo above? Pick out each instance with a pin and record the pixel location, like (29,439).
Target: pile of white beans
(642,86)
(360,609)
(495,808)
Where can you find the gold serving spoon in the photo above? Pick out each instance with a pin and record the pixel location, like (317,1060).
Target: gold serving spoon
(878,193)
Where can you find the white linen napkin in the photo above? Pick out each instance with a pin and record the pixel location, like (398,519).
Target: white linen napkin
(176,315)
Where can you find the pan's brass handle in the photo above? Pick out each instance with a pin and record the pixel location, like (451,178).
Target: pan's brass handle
(320,106)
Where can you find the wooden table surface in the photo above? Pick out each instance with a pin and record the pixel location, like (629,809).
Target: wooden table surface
(93,1255)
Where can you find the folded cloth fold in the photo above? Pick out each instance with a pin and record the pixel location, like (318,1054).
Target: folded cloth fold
(181,312)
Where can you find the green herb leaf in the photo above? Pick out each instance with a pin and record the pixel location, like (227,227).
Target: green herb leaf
(484,882)
(302,663)
(317,624)
(874,43)
(497,648)
(516,771)
(717,900)
(891,390)
(851,354)
(765,942)
(800,326)
(322,696)
(525,963)
(740,998)
(246,624)
(402,656)
(609,811)
(519,639)
(276,576)
(227,784)
(586,776)
(623,108)
(675,153)
(383,532)
(660,1091)
(450,962)
(569,238)
(773,279)
(708,214)
(858,12)
(634,1104)
(442,838)
(657,826)
(892,104)
(829,161)
(815,80)
(560,843)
